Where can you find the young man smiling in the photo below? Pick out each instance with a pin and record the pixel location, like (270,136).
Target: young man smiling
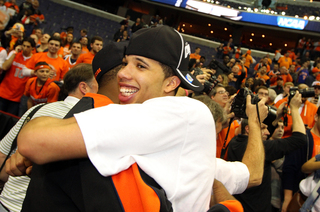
(147,79)
(59,66)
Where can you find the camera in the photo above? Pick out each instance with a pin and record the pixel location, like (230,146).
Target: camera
(208,84)
(305,93)
(219,67)
(238,106)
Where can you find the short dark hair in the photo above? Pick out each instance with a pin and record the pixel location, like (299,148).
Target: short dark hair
(41,63)
(56,38)
(110,75)
(84,30)
(213,92)
(80,73)
(94,38)
(261,87)
(75,42)
(318,111)
(30,40)
(168,72)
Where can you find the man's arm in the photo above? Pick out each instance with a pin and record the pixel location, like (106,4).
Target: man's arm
(47,151)
(254,155)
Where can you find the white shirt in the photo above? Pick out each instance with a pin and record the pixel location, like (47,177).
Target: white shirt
(306,187)
(172,139)
(233,175)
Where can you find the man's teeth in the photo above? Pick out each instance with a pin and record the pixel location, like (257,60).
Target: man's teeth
(128,91)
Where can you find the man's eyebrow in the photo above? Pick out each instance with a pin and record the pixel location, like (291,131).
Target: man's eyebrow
(142,61)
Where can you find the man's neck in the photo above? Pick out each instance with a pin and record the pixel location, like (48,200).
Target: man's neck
(52,55)
(93,52)
(28,55)
(40,83)
(74,56)
(315,130)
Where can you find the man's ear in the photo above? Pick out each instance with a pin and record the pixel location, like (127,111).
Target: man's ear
(171,83)
(247,129)
(83,87)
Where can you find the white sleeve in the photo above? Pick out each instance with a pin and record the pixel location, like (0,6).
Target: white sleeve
(26,72)
(10,53)
(3,56)
(253,61)
(233,175)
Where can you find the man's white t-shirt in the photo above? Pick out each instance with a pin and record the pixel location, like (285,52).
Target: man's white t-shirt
(172,139)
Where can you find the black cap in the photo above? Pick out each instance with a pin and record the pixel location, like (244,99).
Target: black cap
(165,45)
(108,58)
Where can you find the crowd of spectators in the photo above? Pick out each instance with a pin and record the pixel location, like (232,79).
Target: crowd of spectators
(34,64)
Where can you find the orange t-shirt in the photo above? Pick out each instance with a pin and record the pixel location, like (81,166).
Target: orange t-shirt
(193,56)
(47,93)
(316,144)
(249,60)
(285,61)
(13,84)
(84,50)
(315,69)
(265,77)
(68,59)
(59,65)
(85,58)
(237,53)
(222,136)
(60,52)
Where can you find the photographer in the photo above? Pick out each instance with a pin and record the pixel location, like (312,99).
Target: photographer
(259,198)
(307,112)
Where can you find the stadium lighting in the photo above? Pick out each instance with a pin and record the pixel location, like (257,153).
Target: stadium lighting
(228,6)
(276,13)
(317,18)
(211,32)
(239,8)
(225,29)
(263,36)
(283,13)
(217,2)
(190,25)
(267,11)
(305,17)
(285,45)
(230,36)
(272,12)
(208,0)
(256,9)
(209,24)
(183,25)
(252,34)
(296,16)
(250,40)
(270,44)
(311,18)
